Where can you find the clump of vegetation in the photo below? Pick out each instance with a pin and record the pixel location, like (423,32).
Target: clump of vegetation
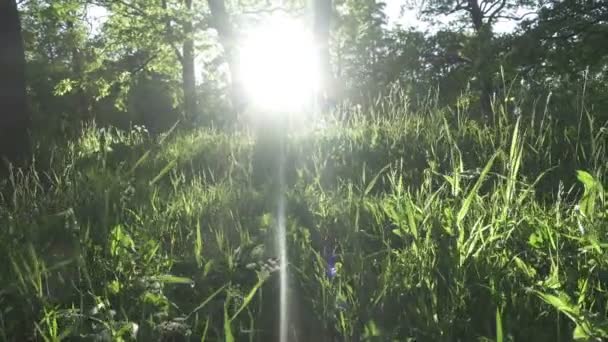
(401,226)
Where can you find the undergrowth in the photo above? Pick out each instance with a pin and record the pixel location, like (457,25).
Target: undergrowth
(402,226)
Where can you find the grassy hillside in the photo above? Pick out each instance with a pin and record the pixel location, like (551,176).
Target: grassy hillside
(401,226)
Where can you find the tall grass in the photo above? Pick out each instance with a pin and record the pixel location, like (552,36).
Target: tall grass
(402,226)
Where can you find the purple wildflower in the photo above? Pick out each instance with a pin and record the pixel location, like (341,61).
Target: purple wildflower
(332,271)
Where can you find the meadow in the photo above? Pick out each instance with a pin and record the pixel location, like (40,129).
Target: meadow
(402,225)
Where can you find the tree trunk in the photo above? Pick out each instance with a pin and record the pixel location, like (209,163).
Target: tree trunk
(322,19)
(188,69)
(484,72)
(483,34)
(82,101)
(14,117)
(221,22)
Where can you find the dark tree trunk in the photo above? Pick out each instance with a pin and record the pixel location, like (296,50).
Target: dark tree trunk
(484,73)
(481,64)
(188,69)
(14,117)
(221,22)
(322,10)
(476,15)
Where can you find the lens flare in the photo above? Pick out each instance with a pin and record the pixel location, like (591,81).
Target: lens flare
(278,65)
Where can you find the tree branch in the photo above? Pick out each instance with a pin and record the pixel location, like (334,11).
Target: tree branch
(273,10)
(144,64)
(178,54)
(460,5)
(487,10)
(107,3)
(513,17)
(492,16)
(483,4)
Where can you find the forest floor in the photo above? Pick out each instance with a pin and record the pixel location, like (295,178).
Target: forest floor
(401,226)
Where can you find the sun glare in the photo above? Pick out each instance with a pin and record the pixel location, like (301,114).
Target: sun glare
(277,65)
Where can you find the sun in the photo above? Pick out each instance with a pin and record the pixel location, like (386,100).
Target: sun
(278,65)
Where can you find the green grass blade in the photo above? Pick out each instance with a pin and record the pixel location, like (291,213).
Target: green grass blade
(164,171)
(466,205)
(248,298)
(499,334)
(371,184)
(228,337)
(206,301)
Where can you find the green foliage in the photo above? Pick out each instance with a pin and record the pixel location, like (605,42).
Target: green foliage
(359,38)
(127,69)
(442,229)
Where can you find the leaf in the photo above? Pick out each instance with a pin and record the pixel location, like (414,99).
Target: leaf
(171,279)
(586,178)
(530,271)
(198,246)
(208,267)
(156,299)
(579,333)
(561,304)
(113,287)
(515,154)
(593,190)
(411,218)
(248,298)
(120,241)
(64,87)
(535,240)
(371,330)
(514,157)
